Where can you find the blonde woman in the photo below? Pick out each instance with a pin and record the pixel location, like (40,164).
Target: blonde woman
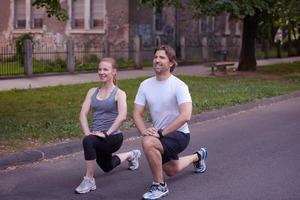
(103,137)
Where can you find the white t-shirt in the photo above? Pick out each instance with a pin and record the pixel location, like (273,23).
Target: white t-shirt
(163,98)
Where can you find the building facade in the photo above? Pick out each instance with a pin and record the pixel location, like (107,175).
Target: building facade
(92,23)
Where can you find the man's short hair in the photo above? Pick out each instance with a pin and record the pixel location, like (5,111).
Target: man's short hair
(171,54)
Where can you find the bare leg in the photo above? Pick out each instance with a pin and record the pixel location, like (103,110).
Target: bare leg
(172,167)
(90,168)
(124,156)
(153,150)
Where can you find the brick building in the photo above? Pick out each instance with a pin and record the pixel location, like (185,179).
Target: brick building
(93,22)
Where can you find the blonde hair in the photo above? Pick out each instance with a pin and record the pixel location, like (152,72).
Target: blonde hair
(114,65)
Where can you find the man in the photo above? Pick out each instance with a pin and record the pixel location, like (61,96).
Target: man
(170,106)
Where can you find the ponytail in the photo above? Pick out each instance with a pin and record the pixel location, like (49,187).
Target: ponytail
(114,65)
(115,79)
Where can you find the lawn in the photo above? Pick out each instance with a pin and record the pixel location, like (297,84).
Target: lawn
(34,117)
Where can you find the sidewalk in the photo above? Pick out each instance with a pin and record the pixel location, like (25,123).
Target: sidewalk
(44,81)
(54,80)
(73,146)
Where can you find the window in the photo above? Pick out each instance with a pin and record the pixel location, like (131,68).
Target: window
(97,15)
(158,20)
(212,24)
(206,25)
(203,25)
(86,16)
(20,14)
(37,18)
(27,17)
(78,14)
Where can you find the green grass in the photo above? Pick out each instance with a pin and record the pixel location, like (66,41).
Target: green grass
(37,116)
(272,53)
(12,68)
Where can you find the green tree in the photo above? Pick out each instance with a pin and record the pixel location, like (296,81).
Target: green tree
(53,8)
(250,11)
(286,15)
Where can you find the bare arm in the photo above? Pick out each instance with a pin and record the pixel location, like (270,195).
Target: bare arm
(185,113)
(84,112)
(122,112)
(138,116)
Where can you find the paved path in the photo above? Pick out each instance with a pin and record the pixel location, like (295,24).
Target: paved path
(252,155)
(43,81)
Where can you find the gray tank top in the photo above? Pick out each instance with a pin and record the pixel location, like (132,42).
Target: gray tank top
(104,111)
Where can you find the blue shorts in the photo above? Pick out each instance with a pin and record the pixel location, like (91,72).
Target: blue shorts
(173,144)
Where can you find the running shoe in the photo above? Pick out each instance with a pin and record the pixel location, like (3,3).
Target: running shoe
(200,165)
(88,184)
(133,160)
(156,191)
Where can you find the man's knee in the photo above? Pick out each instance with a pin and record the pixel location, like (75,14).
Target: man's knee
(170,173)
(149,142)
(171,170)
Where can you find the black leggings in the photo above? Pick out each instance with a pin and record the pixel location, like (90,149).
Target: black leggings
(101,149)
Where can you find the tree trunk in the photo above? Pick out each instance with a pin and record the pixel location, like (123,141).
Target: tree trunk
(289,42)
(278,48)
(247,57)
(266,48)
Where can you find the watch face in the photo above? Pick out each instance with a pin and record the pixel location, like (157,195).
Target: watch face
(160,132)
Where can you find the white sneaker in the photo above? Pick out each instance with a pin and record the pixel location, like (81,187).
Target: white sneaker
(156,191)
(133,160)
(87,184)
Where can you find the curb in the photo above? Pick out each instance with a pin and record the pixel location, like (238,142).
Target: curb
(48,152)
(74,146)
(213,114)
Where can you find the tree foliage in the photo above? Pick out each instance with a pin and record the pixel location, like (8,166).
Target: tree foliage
(53,8)
(238,8)
(249,11)
(286,12)
(161,3)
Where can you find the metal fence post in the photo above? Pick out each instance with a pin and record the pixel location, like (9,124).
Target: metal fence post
(138,60)
(224,49)
(106,48)
(28,57)
(70,56)
(182,48)
(204,44)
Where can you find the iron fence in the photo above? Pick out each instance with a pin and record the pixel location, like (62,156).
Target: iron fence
(67,57)
(49,59)
(44,59)
(87,59)
(10,62)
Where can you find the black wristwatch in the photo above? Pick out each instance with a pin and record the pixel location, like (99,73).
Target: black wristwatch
(104,132)
(160,132)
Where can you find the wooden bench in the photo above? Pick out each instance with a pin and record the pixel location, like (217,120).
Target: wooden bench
(221,66)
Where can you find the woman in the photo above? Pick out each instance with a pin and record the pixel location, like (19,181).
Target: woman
(109,110)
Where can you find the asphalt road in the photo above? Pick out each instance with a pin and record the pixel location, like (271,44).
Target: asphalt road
(252,155)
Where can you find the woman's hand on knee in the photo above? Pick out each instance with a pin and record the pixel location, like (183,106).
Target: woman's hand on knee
(98,134)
